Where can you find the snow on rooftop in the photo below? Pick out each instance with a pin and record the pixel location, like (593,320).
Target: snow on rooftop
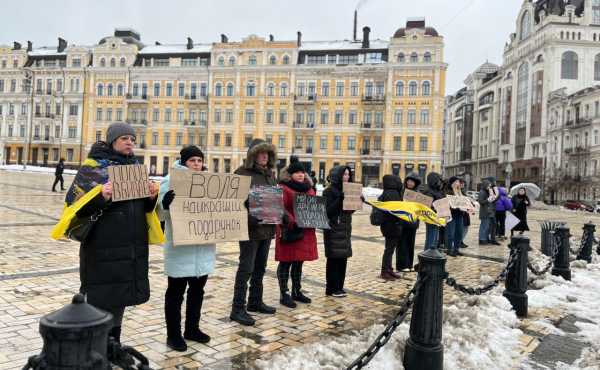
(342,45)
(175,48)
(46,50)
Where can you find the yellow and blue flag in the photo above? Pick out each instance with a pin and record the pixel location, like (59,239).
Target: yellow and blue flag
(410,212)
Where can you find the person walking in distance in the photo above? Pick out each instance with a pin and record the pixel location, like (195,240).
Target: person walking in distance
(337,239)
(254,253)
(294,245)
(406,248)
(58,175)
(186,266)
(391,227)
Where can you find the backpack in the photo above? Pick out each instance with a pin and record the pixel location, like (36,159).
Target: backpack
(377,217)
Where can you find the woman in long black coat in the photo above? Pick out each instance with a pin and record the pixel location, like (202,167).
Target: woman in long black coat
(520,203)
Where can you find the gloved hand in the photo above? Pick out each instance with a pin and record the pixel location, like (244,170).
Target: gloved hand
(168,199)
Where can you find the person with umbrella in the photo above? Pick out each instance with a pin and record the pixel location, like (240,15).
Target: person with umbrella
(520,203)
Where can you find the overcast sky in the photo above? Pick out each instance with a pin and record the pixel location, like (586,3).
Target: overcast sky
(474,30)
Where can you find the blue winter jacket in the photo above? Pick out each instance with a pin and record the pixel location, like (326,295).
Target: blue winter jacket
(504,203)
(183,261)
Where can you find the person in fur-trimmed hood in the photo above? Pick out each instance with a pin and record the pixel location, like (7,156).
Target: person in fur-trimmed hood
(254,253)
(294,245)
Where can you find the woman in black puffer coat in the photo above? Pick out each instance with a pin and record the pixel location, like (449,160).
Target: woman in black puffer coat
(405,254)
(391,227)
(337,240)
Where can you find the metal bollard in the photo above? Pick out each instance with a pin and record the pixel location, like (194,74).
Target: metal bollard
(516,279)
(562,265)
(585,253)
(424,349)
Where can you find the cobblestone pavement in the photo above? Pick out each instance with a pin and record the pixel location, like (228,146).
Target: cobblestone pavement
(39,275)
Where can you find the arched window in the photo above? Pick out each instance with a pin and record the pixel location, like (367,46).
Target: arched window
(412,89)
(414,58)
(252,60)
(230,89)
(579,36)
(522,94)
(231,61)
(427,57)
(401,58)
(562,35)
(597,68)
(250,89)
(102,62)
(399,88)
(540,58)
(120,90)
(113,62)
(284,89)
(286,59)
(570,66)
(100,90)
(525,25)
(109,90)
(271,89)
(426,88)
(218,89)
(122,62)
(221,61)
(273,60)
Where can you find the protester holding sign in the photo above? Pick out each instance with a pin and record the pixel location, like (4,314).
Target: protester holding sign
(391,227)
(405,253)
(114,242)
(487,199)
(466,217)
(454,228)
(254,253)
(294,245)
(186,266)
(338,242)
(434,190)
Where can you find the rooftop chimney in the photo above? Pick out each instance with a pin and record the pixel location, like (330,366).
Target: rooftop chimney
(62,45)
(299,42)
(224,38)
(16,46)
(354,29)
(29,46)
(365,41)
(190,43)
(271,38)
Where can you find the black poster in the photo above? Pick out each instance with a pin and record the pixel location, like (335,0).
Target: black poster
(310,212)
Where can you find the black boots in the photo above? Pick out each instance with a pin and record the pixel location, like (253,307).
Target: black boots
(287,300)
(261,307)
(242,317)
(196,335)
(297,295)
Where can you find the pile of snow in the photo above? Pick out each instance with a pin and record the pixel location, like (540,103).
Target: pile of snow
(478,333)
(28,168)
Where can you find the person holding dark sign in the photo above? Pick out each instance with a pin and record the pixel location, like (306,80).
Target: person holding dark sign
(58,175)
(337,239)
(113,257)
(254,253)
(405,252)
(391,228)
(185,266)
(294,245)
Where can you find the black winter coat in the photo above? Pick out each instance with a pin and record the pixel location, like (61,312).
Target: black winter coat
(417,180)
(259,177)
(392,191)
(338,239)
(113,260)
(520,204)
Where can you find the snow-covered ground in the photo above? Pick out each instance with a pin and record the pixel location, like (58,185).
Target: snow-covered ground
(478,332)
(20,168)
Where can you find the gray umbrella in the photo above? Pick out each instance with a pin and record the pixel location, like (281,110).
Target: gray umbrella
(532,190)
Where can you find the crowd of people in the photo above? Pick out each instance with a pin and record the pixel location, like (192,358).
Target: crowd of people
(114,259)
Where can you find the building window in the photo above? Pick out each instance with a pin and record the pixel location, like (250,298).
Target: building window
(217,139)
(272,60)
(252,60)
(271,89)
(119,114)
(352,117)
(522,92)
(169,89)
(218,89)
(73,109)
(397,143)
(424,116)
(525,25)
(401,58)
(203,89)
(569,66)
(426,88)
(166,138)
(102,62)
(250,89)
(427,57)
(339,117)
(228,140)
(249,116)
(155,138)
(284,89)
(168,115)
(412,117)
(337,142)
(282,117)
(398,116)
(414,58)
(351,143)
(99,114)
(157,89)
(399,88)
(100,90)
(325,88)
(221,61)
(410,143)
(281,142)
(323,142)
(324,117)
(286,59)
(229,116)
(180,115)
(69,155)
(423,144)
(354,88)
(412,88)
(339,89)
(229,89)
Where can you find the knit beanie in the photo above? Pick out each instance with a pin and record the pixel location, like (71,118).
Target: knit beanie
(295,167)
(189,152)
(118,129)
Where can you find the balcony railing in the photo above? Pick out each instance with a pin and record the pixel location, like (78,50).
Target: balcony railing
(367,126)
(305,126)
(305,99)
(372,152)
(373,98)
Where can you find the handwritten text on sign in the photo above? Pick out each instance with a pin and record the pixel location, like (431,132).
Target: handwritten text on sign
(352,194)
(413,196)
(208,207)
(310,212)
(128,182)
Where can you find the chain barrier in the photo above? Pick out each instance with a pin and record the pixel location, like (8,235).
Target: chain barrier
(584,240)
(557,247)
(512,259)
(385,336)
